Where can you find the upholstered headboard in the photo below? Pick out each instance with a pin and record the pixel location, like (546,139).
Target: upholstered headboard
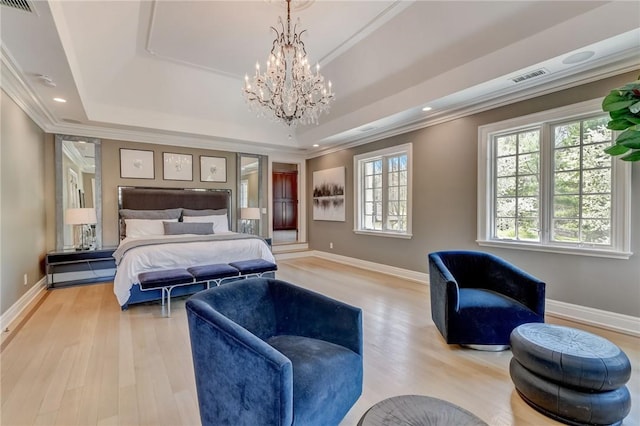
(138,198)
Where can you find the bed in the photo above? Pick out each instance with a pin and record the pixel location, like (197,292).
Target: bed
(162,228)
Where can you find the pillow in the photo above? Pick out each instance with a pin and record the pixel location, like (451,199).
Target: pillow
(150,214)
(145,214)
(207,212)
(145,227)
(198,228)
(220,221)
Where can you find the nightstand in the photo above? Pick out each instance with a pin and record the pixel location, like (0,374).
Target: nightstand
(80,267)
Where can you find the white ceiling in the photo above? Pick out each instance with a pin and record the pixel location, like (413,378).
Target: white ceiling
(171,71)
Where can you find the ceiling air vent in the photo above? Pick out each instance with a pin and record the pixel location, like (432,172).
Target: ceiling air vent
(528,76)
(17,4)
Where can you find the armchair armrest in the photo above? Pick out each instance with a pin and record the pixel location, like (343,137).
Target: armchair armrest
(255,378)
(306,313)
(444,292)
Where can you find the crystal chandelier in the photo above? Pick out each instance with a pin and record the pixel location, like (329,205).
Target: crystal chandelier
(288,89)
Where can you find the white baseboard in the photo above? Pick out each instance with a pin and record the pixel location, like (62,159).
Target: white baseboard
(595,317)
(582,314)
(419,277)
(16,309)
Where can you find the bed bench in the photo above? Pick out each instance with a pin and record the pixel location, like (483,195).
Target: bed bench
(254,267)
(168,279)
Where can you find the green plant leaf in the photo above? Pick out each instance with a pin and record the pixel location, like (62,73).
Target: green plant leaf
(616,149)
(619,124)
(627,135)
(635,108)
(634,156)
(612,98)
(613,106)
(630,139)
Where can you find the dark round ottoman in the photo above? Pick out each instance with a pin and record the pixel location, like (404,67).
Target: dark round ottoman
(418,410)
(570,375)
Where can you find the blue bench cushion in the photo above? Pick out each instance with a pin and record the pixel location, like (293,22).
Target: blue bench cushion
(327,377)
(213,272)
(164,278)
(254,266)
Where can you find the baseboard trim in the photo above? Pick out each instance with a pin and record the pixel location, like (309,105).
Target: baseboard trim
(16,309)
(612,321)
(419,277)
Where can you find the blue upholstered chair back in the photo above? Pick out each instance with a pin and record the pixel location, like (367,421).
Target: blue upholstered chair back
(266,352)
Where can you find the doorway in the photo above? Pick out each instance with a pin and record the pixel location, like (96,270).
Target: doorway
(285,203)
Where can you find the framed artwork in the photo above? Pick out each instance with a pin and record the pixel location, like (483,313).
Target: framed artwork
(177,166)
(213,169)
(328,194)
(135,163)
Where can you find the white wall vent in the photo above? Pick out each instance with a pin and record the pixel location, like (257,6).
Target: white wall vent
(17,4)
(528,76)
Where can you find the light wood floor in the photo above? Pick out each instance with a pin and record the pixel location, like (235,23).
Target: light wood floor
(79,360)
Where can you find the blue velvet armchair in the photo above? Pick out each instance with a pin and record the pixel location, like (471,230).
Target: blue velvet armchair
(477,298)
(266,352)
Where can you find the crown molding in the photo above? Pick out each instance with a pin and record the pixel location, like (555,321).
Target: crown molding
(619,64)
(13,83)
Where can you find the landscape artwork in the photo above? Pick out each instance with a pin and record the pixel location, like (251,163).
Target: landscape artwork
(328,194)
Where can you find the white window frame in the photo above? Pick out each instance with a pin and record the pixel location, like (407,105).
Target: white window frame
(621,187)
(358,193)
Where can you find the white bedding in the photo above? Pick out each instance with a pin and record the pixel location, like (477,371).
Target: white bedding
(182,255)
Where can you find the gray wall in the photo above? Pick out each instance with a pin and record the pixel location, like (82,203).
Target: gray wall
(111,179)
(23,215)
(444,209)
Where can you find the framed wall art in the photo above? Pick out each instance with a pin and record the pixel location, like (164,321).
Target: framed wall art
(137,164)
(177,166)
(328,194)
(213,169)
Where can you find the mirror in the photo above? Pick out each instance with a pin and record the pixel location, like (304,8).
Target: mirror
(250,197)
(78,186)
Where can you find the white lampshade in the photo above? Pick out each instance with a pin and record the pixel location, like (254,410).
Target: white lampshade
(82,216)
(250,213)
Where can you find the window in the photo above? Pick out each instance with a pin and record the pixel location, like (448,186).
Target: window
(383,192)
(545,183)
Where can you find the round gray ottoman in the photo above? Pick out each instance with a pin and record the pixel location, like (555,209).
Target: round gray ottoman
(570,375)
(418,410)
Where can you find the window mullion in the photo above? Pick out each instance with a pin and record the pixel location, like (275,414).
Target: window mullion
(546,184)
(385,192)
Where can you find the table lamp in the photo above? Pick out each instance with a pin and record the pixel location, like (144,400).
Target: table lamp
(80,218)
(249,214)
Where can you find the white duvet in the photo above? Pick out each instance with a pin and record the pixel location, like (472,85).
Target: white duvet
(182,255)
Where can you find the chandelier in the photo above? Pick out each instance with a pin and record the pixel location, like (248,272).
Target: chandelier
(288,90)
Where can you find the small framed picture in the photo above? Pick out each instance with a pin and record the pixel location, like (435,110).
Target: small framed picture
(177,166)
(135,163)
(213,169)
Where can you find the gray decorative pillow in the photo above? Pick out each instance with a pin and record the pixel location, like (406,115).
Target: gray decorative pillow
(150,214)
(145,214)
(198,228)
(206,212)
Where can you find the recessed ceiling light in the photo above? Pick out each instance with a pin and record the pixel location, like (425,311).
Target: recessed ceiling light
(315,145)
(61,100)
(578,57)
(427,108)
